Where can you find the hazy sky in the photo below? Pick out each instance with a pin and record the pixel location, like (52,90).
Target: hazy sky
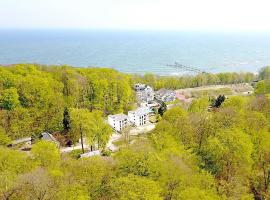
(217,15)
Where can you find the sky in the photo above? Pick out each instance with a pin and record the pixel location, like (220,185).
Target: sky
(203,15)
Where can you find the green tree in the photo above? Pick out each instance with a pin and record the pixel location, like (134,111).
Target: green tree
(36,184)
(179,125)
(81,123)
(134,187)
(100,130)
(203,127)
(218,101)
(144,162)
(262,87)
(237,102)
(199,105)
(264,73)
(66,120)
(12,164)
(9,99)
(72,192)
(260,182)
(193,193)
(228,156)
(90,175)
(4,139)
(46,154)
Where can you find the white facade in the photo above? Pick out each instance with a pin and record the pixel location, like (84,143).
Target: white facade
(139,87)
(139,117)
(165,95)
(118,122)
(144,93)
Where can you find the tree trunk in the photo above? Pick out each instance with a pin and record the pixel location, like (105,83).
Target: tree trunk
(82,139)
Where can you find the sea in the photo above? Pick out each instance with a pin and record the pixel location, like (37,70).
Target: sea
(138,51)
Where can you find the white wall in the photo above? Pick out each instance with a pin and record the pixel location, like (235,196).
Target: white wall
(117,125)
(138,120)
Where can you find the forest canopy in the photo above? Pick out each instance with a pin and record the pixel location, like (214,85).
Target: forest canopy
(193,153)
(33,97)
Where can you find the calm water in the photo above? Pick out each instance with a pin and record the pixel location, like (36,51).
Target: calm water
(137,52)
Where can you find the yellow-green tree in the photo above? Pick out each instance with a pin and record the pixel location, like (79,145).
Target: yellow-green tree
(134,187)
(46,154)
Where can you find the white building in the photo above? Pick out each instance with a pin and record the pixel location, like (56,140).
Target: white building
(139,117)
(139,87)
(165,95)
(118,121)
(144,93)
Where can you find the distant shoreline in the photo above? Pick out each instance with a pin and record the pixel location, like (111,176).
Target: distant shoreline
(136,74)
(137,52)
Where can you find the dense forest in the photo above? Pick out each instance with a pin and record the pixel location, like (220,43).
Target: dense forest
(33,97)
(189,81)
(193,153)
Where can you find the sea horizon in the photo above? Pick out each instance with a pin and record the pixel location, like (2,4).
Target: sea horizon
(137,51)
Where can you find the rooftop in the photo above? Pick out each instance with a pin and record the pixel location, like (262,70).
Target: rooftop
(164,91)
(141,111)
(21,140)
(119,117)
(48,137)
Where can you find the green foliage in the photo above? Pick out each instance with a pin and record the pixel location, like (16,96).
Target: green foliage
(143,163)
(89,125)
(218,101)
(230,148)
(162,109)
(100,130)
(73,192)
(191,154)
(203,126)
(264,73)
(12,164)
(39,95)
(177,82)
(135,187)
(181,128)
(237,102)
(46,154)
(194,193)
(75,153)
(261,168)
(66,119)
(228,157)
(9,99)
(92,175)
(81,125)
(262,87)
(199,105)
(230,142)
(4,139)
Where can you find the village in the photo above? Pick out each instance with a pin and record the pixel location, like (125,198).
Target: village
(134,123)
(138,122)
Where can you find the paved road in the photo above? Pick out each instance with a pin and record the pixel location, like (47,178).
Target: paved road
(114,137)
(110,145)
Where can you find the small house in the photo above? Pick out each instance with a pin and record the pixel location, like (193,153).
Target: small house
(165,95)
(49,137)
(118,121)
(24,144)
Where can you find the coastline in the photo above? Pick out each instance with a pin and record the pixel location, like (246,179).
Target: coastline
(137,52)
